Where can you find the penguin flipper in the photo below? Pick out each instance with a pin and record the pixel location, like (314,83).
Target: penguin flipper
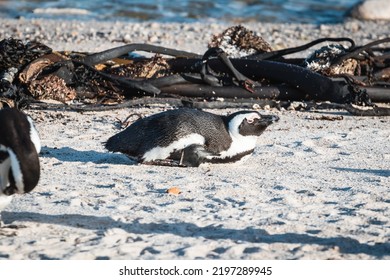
(194,155)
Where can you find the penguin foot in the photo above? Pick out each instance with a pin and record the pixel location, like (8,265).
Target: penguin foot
(164,162)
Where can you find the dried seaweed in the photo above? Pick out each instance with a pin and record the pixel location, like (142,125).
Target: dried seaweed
(15,53)
(238,68)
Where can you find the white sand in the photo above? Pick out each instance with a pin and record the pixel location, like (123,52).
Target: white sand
(314,189)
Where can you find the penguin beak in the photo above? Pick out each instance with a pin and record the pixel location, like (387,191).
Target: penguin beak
(268,119)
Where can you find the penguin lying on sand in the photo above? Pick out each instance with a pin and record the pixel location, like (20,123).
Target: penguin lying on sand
(19,148)
(191,137)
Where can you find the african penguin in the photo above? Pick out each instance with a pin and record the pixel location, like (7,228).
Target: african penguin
(191,137)
(19,149)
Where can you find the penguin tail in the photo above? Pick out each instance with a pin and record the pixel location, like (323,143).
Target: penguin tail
(111,145)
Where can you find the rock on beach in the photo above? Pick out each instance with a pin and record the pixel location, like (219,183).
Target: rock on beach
(372,10)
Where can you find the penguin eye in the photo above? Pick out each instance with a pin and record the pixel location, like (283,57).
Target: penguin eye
(251,120)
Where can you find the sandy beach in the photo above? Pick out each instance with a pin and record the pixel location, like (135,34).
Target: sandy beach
(316,187)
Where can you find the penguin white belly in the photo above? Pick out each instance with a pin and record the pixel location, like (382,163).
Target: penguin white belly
(164,152)
(5,166)
(4,169)
(34,136)
(240,144)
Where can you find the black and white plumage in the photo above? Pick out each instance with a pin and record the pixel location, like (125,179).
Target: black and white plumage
(19,149)
(191,137)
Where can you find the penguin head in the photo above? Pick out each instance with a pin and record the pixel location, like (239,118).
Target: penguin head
(249,123)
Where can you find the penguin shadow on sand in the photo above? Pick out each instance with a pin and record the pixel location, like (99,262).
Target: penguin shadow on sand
(68,154)
(100,225)
(376,172)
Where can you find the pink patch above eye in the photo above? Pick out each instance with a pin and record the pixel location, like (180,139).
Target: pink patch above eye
(252,119)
